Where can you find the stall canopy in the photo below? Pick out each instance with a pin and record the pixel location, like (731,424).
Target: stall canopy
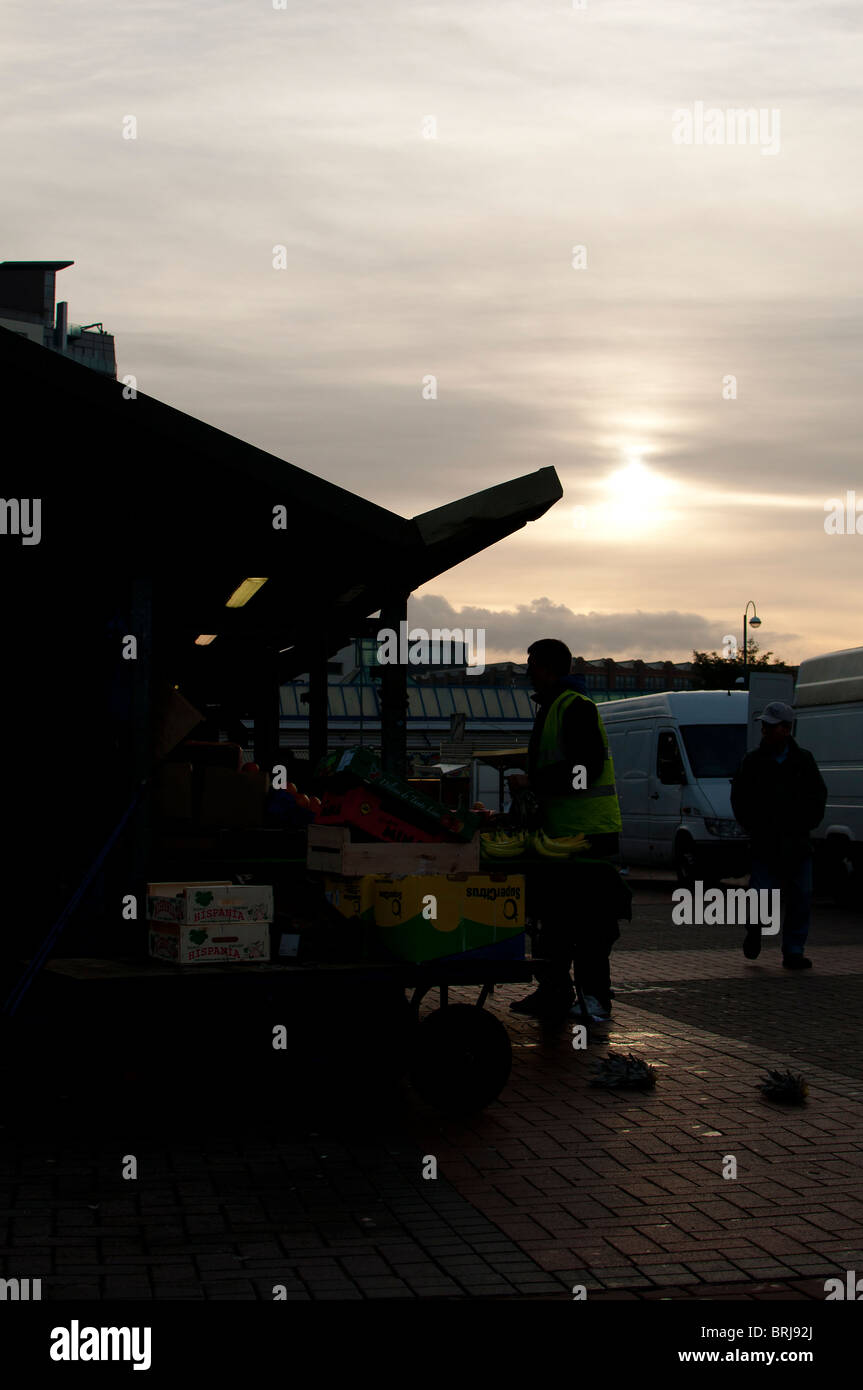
(129,485)
(503,757)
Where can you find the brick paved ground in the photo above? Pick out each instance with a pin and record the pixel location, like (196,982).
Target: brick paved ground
(556,1184)
(626,1191)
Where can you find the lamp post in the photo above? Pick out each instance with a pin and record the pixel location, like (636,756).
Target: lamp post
(754,622)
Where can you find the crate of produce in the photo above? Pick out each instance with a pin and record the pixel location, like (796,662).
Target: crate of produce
(331,849)
(363,809)
(359,765)
(206,904)
(182,943)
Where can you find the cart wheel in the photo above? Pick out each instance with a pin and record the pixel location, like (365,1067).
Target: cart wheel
(462,1058)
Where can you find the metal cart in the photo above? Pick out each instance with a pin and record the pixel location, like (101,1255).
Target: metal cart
(342,1023)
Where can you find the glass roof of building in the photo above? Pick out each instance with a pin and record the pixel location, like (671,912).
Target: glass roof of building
(494,703)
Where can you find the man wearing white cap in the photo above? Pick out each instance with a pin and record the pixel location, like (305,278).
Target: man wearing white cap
(778,796)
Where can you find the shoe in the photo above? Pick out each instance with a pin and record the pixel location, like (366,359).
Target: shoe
(797,962)
(532,1004)
(752,943)
(544,1003)
(597,1013)
(555,1007)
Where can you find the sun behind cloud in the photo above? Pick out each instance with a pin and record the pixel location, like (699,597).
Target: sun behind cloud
(630,500)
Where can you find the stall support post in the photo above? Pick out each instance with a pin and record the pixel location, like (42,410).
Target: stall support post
(138,845)
(318,703)
(394,694)
(267,712)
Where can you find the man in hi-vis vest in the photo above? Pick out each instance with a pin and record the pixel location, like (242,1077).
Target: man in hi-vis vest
(571,775)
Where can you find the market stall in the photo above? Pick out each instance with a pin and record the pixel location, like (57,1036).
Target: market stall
(164,799)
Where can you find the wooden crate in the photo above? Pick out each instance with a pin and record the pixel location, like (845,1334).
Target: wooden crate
(330,848)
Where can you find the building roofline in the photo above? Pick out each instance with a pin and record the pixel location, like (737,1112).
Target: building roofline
(35,265)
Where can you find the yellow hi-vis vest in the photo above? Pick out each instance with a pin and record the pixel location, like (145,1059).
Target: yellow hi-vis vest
(595,809)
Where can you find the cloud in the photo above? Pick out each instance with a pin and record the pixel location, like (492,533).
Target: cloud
(649,636)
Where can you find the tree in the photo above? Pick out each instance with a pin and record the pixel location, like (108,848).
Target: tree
(717,672)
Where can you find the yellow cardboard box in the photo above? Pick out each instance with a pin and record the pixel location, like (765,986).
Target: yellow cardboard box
(424,916)
(351,896)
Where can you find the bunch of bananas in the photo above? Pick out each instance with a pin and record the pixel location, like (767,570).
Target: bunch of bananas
(561,847)
(499,844)
(503,844)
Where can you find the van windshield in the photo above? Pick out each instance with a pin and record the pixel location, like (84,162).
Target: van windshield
(714,750)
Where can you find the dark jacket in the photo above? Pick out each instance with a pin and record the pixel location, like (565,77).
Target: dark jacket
(778,804)
(582,740)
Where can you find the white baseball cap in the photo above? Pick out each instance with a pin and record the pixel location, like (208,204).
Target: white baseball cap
(777,712)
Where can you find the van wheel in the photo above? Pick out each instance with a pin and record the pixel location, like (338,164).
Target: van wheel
(843,878)
(690,865)
(686,861)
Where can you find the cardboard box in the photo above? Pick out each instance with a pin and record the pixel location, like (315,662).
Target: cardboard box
(184,944)
(508,948)
(172,792)
(351,897)
(202,753)
(208,904)
(173,719)
(474,913)
(330,847)
(230,799)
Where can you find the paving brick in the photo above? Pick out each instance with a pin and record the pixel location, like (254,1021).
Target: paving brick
(59,1290)
(168,1293)
(379,1283)
(227,1288)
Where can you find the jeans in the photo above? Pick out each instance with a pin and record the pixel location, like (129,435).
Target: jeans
(793,878)
(574,932)
(587,951)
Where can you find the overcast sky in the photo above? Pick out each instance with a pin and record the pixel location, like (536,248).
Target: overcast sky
(409,257)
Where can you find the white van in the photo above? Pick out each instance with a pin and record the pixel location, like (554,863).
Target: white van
(674,758)
(828,701)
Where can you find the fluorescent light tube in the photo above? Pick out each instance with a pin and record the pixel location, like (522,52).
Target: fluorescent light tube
(247,589)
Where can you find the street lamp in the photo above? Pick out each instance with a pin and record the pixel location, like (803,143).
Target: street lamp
(755,621)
